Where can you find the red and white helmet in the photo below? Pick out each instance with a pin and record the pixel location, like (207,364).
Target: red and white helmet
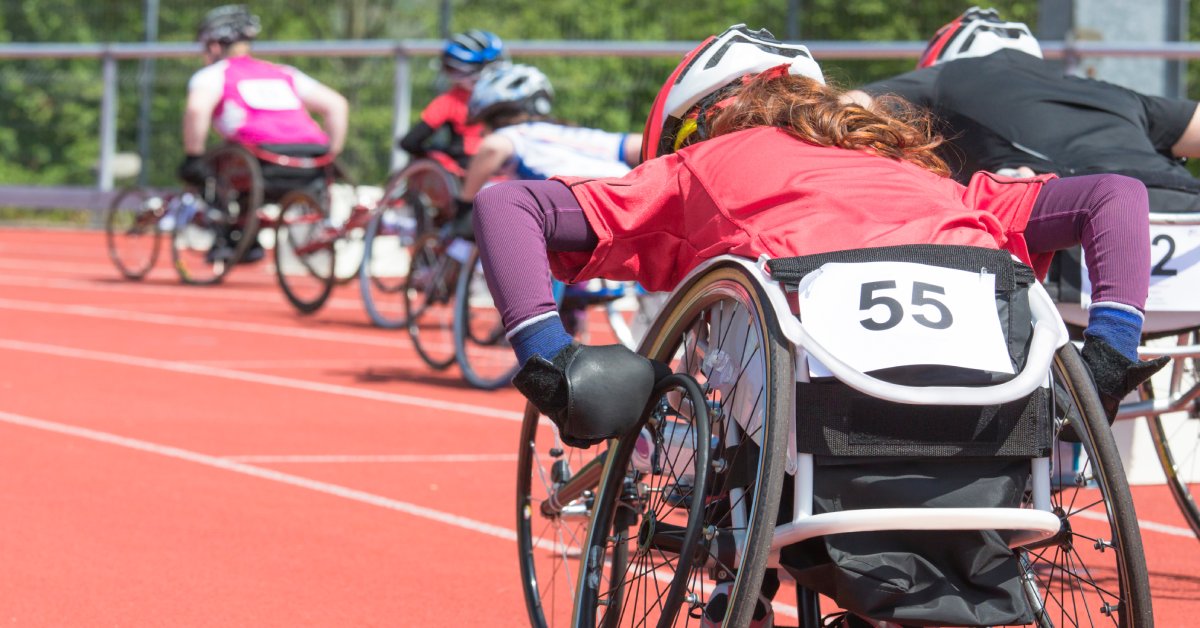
(978,33)
(714,64)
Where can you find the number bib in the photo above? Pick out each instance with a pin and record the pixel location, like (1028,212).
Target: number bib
(877,315)
(1174,270)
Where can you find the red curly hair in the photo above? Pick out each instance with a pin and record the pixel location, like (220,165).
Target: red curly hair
(818,114)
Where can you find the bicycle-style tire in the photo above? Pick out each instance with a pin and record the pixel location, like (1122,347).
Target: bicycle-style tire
(429,302)
(381,282)
(483,353)
(1177,449)
(132,231)
(1100,532)
(229,215)
(550,539)
(306,278)
(725,310)
(424,191)
(1171,460)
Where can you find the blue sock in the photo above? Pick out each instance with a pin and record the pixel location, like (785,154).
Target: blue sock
(545,338)
(1120,328)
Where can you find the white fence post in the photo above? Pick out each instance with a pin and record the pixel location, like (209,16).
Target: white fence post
(108,124)
(402,109)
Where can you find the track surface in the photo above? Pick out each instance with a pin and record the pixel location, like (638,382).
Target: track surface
(178,456)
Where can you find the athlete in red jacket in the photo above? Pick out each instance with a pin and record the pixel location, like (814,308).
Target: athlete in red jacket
(748,152)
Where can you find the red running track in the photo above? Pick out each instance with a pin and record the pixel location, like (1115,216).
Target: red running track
(183,456)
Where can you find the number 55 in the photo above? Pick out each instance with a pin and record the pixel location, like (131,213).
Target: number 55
(868,299)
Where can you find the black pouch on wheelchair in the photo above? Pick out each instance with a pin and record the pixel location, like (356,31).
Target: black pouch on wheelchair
(279,180)
(871,453)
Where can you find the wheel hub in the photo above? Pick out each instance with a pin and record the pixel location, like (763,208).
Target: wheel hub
(646,531)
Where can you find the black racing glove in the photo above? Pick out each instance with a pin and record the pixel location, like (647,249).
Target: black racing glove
(195,170)
(463,212)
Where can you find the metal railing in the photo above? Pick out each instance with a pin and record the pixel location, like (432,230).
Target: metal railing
(403,51)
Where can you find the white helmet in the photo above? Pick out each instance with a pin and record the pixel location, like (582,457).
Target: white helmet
(508,88)
(714,64)
(978,33)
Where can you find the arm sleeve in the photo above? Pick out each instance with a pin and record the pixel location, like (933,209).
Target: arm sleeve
(413,142)
(1167,118)
(917,87)
(303,82)
(643,232)
(438,112)
(210,79)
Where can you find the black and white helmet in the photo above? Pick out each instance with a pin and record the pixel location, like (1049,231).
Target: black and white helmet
(510,89)
(228,24)
(978,33)
(716,63)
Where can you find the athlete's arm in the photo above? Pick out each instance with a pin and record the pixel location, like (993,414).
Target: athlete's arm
(633,149)
(1188,144)
(413,142)
(197,119)
(334,112)
(493,151)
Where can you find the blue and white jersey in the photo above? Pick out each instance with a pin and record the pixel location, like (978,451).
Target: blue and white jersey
(542,150)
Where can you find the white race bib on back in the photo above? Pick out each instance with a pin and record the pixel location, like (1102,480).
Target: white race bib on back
(877,315)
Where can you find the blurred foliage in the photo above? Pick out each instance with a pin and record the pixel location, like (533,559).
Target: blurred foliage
(49,109)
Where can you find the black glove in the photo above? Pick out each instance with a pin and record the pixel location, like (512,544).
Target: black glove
(463,211)
(592,393)
(195,170)
(1115,375)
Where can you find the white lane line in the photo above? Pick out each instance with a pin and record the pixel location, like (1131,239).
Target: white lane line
(300,482)
(51,264)
(368,364)
(202,293)
(1145,525)
(246,292)
(334,458)
(262,473)
(393,341)
(259,378)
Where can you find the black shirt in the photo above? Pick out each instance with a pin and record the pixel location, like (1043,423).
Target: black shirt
(1011,109)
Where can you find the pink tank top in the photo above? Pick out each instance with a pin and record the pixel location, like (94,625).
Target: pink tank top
(260,105)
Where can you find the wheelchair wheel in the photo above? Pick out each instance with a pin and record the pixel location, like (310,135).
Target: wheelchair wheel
(216,236)
(556,487)
(1093,573)
(132,231)
(422,192)
(384,270)
(1177,442)
(720,330)
(483,353)
(305,257)
(429,301)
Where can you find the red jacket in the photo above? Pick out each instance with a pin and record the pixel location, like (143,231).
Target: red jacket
(762,191)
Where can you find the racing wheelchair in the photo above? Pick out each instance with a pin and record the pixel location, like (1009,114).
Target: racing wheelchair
(213,236)
(906,485)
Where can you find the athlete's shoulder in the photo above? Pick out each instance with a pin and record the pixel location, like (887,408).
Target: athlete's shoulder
(211,76)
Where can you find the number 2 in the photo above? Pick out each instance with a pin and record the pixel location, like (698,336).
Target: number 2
(1160,269)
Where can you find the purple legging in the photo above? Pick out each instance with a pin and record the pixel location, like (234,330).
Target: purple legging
(1109,215)
(517,222)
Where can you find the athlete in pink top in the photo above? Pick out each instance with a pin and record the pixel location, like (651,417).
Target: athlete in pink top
(250,101)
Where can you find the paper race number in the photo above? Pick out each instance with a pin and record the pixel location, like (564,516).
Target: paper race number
(882,314)
(268,94)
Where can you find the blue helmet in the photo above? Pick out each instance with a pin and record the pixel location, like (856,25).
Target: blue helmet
(468,53)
